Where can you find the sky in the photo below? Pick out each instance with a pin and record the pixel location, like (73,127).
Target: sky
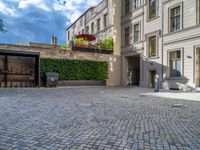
(38,20)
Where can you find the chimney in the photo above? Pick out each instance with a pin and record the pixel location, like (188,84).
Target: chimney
(53,40)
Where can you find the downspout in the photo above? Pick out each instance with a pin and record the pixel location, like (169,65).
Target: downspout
(162,41)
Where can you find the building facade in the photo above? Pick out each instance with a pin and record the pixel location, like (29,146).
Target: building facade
(156,37)
(161,37)
(103,21)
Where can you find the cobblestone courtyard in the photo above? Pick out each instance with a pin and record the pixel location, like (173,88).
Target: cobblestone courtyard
(96,118)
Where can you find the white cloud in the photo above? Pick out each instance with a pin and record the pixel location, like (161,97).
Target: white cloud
(24,4)
(6,10)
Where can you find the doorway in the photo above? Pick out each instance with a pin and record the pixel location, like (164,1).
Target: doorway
(197,72)
(134,68)
(152,74)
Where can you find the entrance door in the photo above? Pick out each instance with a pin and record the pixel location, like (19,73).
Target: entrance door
(134,67)
(198,67)
(152,74)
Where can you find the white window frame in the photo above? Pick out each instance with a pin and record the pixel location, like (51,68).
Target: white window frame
(198,11)
(181,17)
(157,45)
(182,63)
(139,23)
(157,11)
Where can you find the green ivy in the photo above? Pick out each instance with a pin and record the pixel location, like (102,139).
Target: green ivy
(74,69)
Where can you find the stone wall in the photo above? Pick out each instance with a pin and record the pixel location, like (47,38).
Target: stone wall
(51,51)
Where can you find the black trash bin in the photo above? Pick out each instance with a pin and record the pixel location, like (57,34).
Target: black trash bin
(52,79)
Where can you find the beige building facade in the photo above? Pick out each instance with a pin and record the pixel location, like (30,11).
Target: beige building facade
(103,21)
(156,37)
(161,37)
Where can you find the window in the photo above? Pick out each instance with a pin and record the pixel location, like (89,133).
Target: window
(83,31)
(79,32)
(92,27)
(105,20)
(152,46)
(81,22)
(137,32)
(198,11)
(137,3)
(98,24)
(175,19)
(175,63)
(152,8)
(127,31)
(87,29)
(127,6)
(68,35)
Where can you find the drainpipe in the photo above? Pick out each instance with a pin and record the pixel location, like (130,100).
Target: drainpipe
(162,40)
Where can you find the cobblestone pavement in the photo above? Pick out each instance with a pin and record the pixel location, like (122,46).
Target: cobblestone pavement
(96,118)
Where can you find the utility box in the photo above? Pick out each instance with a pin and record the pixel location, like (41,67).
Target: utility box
(52,79)
(156,83)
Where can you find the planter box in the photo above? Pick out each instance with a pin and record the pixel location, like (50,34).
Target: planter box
(92,50)
(82,83)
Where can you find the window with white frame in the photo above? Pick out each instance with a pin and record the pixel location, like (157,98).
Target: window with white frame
(68,35)
(127,36)
(98,24)
(137,3)
(198,11)
(175,63)
(175,19)
(137,32)
(152,46)
(105,20)
(81,22)
(127,6)
(87,29)
(92,27)
(152,9)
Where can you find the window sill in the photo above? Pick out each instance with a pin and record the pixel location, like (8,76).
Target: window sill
(149,20)
(156,57)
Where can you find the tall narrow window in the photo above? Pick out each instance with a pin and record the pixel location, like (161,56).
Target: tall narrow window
(127,6)
(98,24)
(198,11)
(175,19)
(152,45)
(152,8)
(105,20)
(81,22)
(87,30)
(127,41)
(137,3)
(92,27)
(83,31)
(175,63)
(68,35)
(137,32)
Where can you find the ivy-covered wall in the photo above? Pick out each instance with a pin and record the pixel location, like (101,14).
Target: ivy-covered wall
(74,69)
